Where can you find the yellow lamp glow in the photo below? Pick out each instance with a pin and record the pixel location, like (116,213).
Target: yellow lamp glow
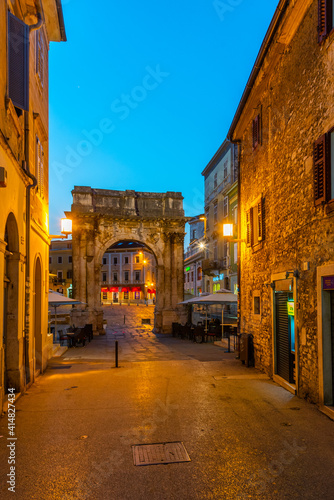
(144,261)
(228,229)
(66,226)
(201,246)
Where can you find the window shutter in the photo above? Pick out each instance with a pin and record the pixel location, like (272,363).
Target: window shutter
(40,55)
(249,226)
(259,216)
(323,19)
(320,171)
(18,62)
(256,131)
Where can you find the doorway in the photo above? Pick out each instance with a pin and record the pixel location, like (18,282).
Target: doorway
(285,337)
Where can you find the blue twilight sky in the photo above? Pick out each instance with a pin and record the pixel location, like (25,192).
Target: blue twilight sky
(143,93)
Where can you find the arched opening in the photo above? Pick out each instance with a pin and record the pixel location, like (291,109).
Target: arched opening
(12,361)
(38,315)
(129,276)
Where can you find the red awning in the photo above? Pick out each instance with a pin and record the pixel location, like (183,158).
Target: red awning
(151,290)
(104,289)
(113,289)
(136,289)
(124,289)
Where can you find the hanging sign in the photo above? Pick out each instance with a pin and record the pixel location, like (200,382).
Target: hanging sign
(328,283)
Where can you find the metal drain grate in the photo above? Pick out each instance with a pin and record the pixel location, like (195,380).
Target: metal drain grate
(160,453)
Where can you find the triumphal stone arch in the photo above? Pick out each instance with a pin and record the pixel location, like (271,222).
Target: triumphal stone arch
(102,218)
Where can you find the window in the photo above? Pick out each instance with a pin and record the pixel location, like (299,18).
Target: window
(104,276)
(60,260)
(323,168)
(50,260)
(69,245)
(60,275)
(325,18)
(225,169)
(215,180)
(137,275)
(225,248)
(104,261)
(104,295)
(126,260)
(255,223)
(235,215)
(69,275)
(115,260)
(137,259)
(126,276)
(256,131)
(215,212)
(39,166)
(188,277)
(115,278)
(235,253)
(225,211)
(40,55)
(192,276)
(18,62)
(126,295)
(215,250)
(199,273)
(207,215)
(194,234)
(70,259)
(208,286)
(256,305)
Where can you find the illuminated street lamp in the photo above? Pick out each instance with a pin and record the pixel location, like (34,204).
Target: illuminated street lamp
(66,226)
(228,233)
(66,229)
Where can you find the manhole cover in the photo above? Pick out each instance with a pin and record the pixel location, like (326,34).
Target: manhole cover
(160,453)
(60,367)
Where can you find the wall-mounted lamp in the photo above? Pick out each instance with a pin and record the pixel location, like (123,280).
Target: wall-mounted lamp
(228,232)
(66,229)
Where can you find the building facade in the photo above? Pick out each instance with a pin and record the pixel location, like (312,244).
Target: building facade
(193,257)
(221,206)
(128,274)
(285,123)
(26,28)
(60,267)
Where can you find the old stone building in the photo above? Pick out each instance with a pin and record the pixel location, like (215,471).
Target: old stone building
(128,274)
(102,218)
(221,205)
(193,259)
(285,125)
(26,28)
(60,267)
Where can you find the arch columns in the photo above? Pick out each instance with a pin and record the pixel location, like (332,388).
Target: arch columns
(102,218)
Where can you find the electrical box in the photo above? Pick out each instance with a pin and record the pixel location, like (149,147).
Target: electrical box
(3,177)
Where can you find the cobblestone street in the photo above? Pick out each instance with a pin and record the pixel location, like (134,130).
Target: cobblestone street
(246,436)
(136,340)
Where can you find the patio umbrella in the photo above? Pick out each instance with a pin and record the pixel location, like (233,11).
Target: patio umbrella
(222,297)
(58,299)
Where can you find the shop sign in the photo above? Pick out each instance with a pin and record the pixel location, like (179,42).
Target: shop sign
(328,283)
(218,278)
(291,308)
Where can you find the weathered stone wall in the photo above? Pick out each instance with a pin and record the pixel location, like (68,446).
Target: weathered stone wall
(294,93)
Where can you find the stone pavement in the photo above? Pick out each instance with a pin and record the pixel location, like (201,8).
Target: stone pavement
(246,436)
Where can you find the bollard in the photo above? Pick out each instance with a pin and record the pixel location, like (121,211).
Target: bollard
(116,353)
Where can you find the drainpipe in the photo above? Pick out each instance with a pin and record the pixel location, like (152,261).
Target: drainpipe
(26,166)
